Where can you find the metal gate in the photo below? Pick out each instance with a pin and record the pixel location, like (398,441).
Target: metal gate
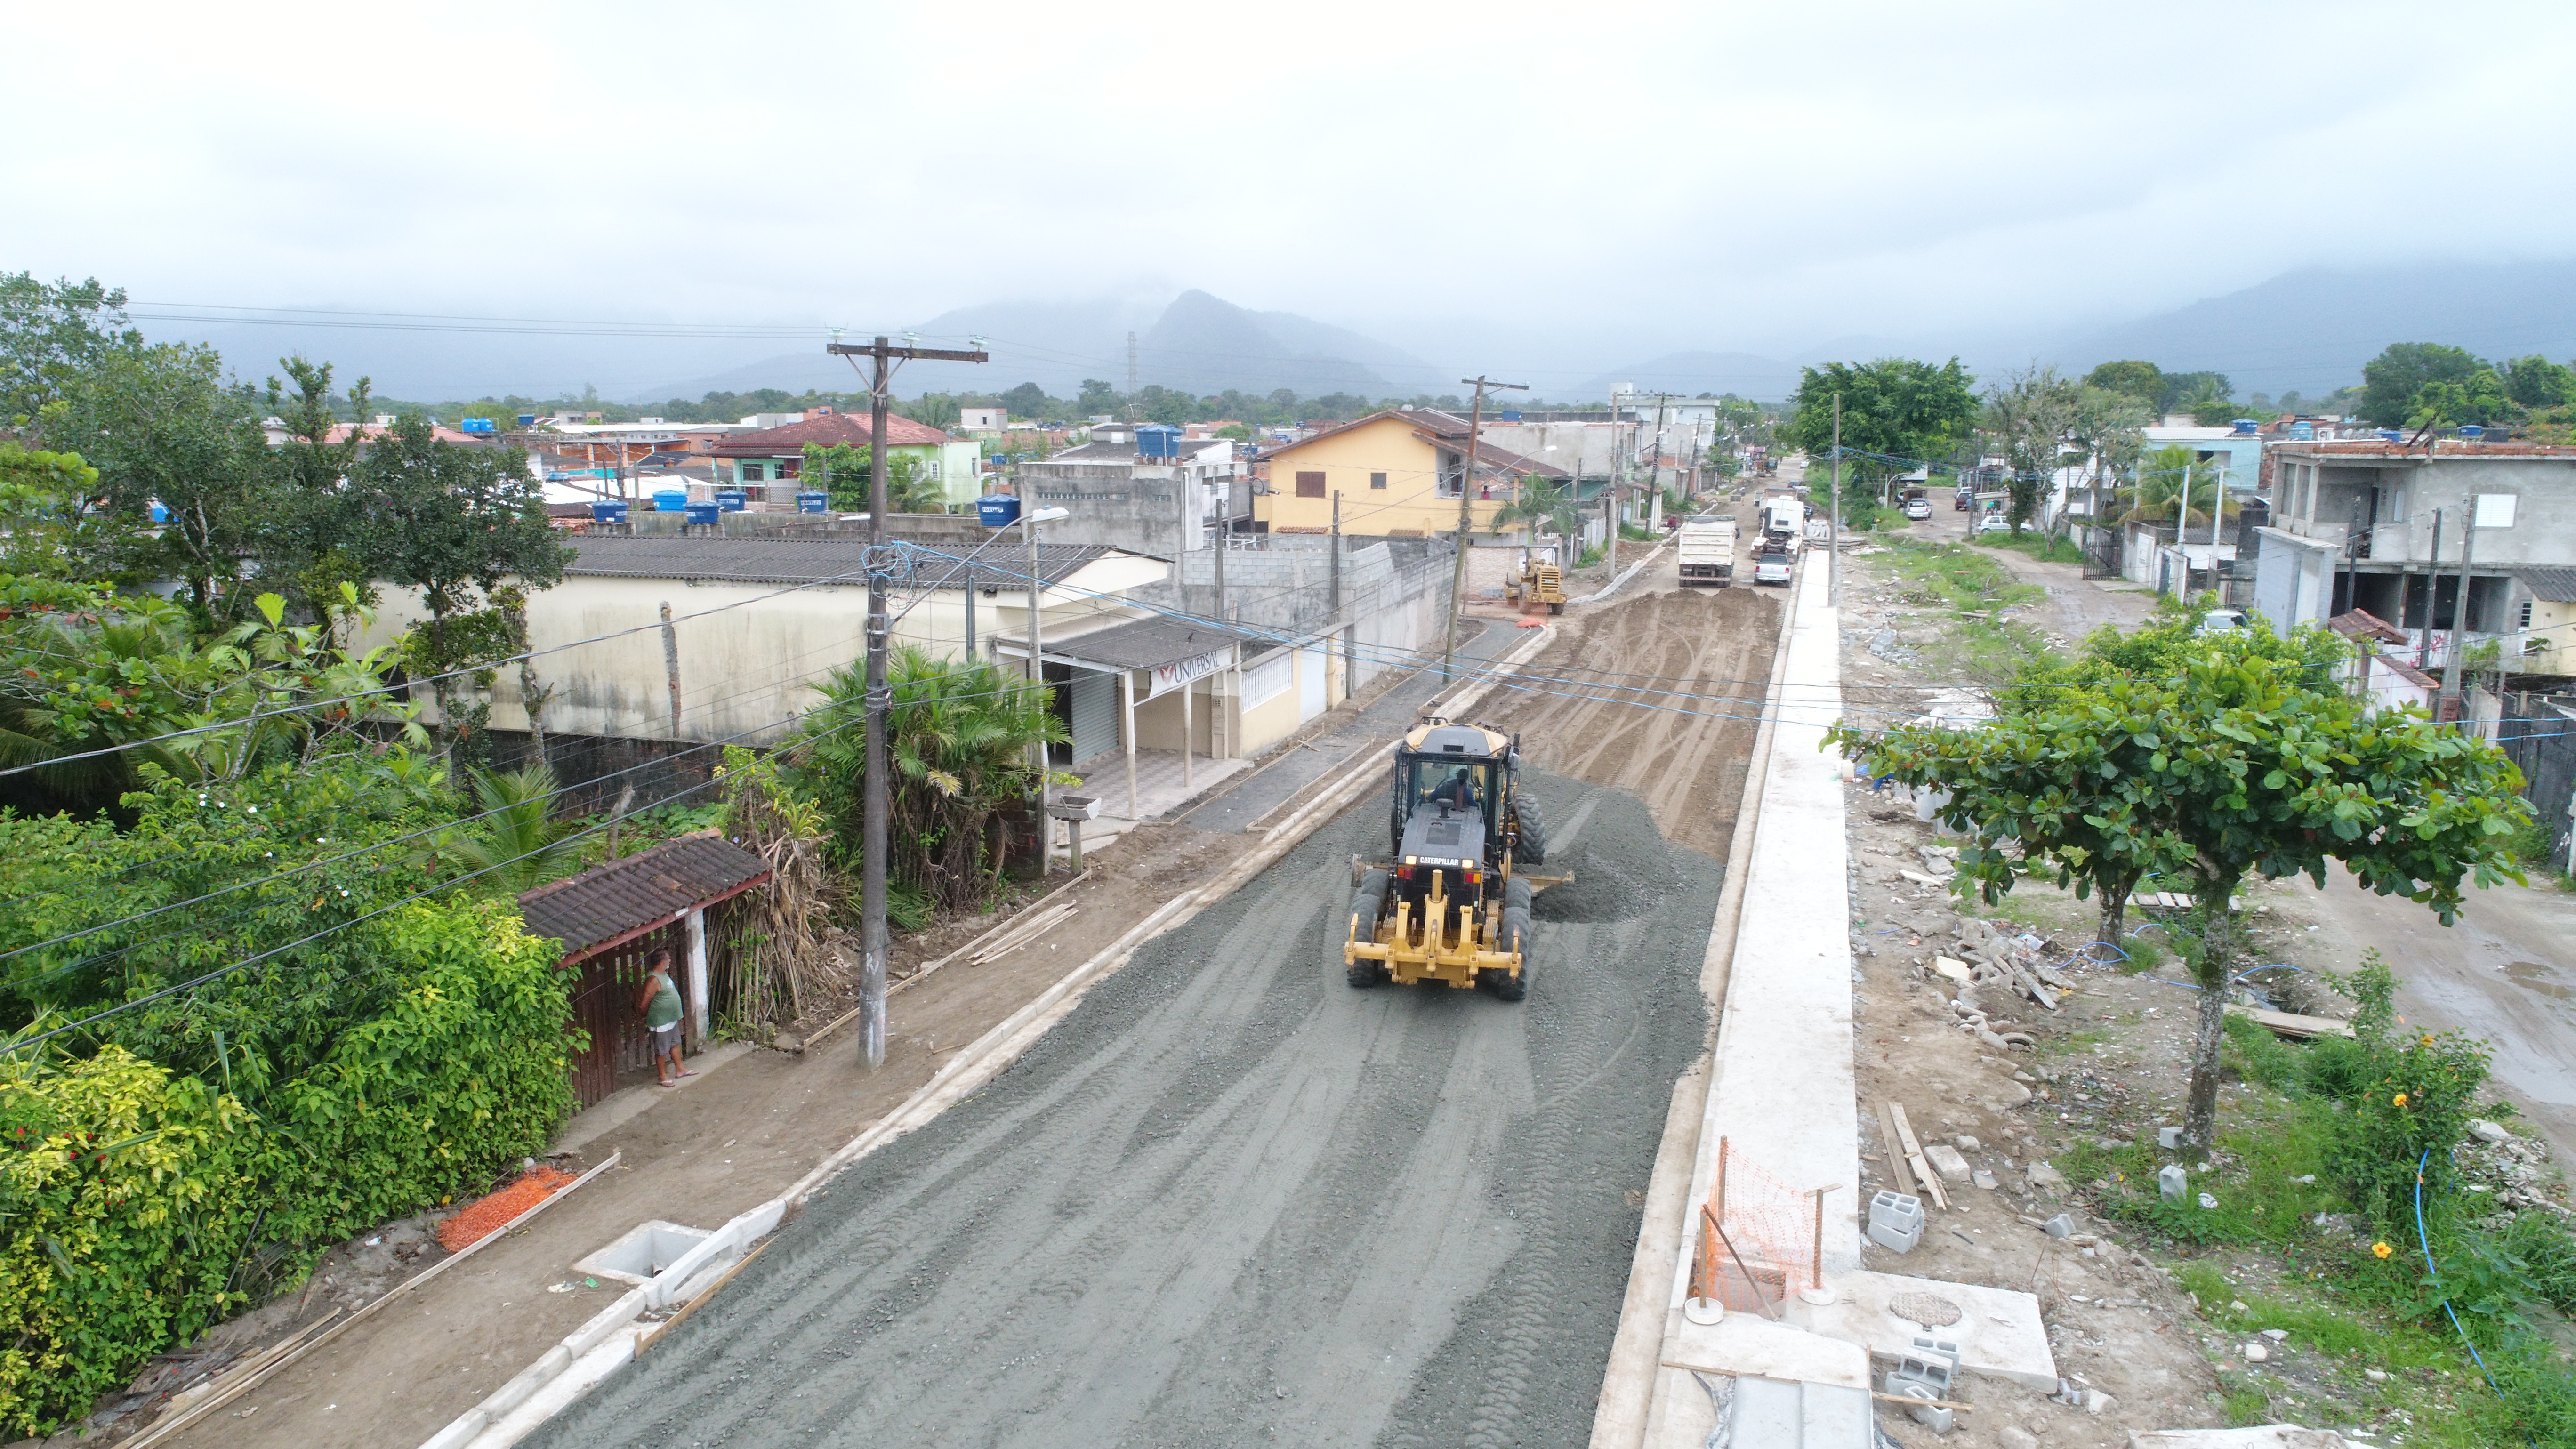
(603,1004)
(1095,714)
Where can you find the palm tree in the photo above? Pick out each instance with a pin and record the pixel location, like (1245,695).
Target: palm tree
(514,846)
(958,737)
(1543,502)
(2156,496)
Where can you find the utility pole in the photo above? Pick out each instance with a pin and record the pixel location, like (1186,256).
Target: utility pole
(1834,536)
(1132,386)
(1466,481)
(1333,591)
(2449,708)
(872,879)
(2432,592)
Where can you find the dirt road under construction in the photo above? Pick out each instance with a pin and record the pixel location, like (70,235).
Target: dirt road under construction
(1230,1200)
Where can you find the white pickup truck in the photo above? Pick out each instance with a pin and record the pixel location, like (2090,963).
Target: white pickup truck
(1707,549)
(1773,567)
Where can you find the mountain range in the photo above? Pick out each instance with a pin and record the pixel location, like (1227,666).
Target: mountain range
(2309,330)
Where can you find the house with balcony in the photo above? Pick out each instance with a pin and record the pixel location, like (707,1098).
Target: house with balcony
(1399,474)
(2391,527)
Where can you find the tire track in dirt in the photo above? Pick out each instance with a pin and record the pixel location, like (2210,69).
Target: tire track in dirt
(1688,767)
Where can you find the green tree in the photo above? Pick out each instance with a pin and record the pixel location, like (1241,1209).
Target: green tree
(1543,504)
(1029,400)
(2209,400)
(842,471)
(2143,381)
(1894,406)
(2392,380)
(959,736)
(2156,493)
(2232,766)
(2536,383)
(2028,417)
(2481,397)
(1098,397)
(515,846)
(50,334)
(163,426)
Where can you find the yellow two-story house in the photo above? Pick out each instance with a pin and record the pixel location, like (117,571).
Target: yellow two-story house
(1398,474)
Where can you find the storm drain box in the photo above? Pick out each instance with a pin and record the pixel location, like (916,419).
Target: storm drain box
(641,1255)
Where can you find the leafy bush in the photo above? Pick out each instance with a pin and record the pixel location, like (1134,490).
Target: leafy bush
(142,1205)
(123,1194)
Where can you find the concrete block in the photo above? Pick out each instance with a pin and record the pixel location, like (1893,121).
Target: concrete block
(2169,1138)
(2173,1182)
(1950,966)
(2060,1226)
(1925,1371)
(1984,1179)
(1945,1160)
(1998,1330)
(1896,1221)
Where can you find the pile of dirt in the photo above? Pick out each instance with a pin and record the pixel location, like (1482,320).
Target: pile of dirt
(490,1213)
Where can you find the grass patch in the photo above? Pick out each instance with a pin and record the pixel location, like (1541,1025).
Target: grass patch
(2043,547)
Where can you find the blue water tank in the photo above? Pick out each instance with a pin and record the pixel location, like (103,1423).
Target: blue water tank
(2303,432)
(2246,425)
(2471,432)
(611,510)
(732,500)
(527,420)
(160,511)
(2392,435)
(813,500)
(998,510)
(700,515)
(670,500)
(1158,440)
(1511,415)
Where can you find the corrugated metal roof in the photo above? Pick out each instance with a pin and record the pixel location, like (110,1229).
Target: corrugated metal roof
(642,891)
(1146,643)
(2554,585)
(789,440)
(812,560)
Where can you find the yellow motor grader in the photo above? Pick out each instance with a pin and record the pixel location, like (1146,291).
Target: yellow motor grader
(1538,582)
(1451,905)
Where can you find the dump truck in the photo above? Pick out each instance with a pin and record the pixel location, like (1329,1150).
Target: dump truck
(1706,545)
(1783,516)
(1540,582)
(1452,903)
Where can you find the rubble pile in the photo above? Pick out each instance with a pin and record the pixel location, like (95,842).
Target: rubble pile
(1992,962)
(2514,1170)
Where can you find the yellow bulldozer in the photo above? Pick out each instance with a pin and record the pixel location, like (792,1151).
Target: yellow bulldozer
(1540,582)
(1452,904)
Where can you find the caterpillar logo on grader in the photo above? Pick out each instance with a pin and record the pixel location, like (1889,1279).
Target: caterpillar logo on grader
(1451,906)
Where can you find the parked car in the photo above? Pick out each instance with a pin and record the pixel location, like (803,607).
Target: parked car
(1993,523)
(2220,621)
(1917,509)
(1959,501)
(1771,568)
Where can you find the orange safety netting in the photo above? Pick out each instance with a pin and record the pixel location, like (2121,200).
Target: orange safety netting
(493,1211)
(1756,1237)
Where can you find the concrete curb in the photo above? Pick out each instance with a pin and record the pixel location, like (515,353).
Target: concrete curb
(1628,1381)
(590,1353)
(1625,575)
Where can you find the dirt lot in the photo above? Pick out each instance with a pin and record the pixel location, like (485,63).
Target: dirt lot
(2106,1068)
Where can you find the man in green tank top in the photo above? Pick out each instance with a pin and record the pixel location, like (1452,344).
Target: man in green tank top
(660,1003)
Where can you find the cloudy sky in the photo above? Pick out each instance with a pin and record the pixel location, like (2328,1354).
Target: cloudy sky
(1570,187)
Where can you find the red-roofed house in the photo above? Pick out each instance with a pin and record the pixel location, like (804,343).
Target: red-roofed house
(774,456)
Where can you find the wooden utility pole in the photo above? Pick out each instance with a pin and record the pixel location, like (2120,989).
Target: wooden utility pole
(872,879)
(1333,594)
(1466,483)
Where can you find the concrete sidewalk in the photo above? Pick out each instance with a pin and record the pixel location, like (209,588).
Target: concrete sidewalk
(1780,1111)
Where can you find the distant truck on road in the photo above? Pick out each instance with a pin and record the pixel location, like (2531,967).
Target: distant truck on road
(1783,517)
(1707,548)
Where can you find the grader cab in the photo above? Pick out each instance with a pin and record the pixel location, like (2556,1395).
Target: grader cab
(1452,904)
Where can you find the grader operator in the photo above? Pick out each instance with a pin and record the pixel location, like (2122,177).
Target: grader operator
(1452,905)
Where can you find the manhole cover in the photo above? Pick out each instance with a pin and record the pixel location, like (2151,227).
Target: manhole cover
(1929,1309)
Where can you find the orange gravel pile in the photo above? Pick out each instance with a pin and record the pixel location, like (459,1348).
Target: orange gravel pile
(489,1213)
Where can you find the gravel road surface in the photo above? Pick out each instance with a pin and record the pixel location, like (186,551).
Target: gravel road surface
(1231,1200)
